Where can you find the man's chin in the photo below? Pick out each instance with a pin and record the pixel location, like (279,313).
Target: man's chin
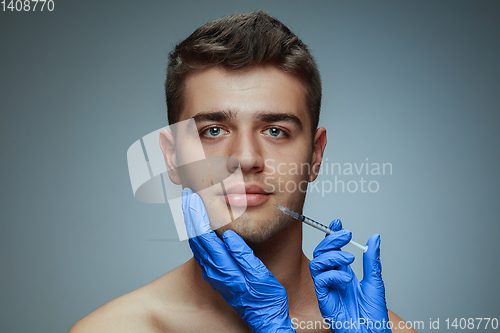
(253,231)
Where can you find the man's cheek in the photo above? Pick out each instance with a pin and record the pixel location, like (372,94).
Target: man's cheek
(195,176)
(269,168)
(268,182)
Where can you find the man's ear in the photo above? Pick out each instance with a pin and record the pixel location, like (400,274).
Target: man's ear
(167,145)
(319,145)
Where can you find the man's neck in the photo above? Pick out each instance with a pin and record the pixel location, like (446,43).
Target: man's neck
(283,255)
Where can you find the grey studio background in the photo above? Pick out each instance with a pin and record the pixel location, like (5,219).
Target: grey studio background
(411,83)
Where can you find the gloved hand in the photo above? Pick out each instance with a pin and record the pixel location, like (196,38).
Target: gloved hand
(349,305)
(232,269)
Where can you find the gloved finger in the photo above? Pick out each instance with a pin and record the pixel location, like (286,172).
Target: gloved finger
(186,197)
(198,224)
(372,267)
(218,266)
(198,214)
(330,261)
(332,279)
(220,269)
(252,267)
(208,248)
(333,242)
(335,225)
(190,216)
(329,301)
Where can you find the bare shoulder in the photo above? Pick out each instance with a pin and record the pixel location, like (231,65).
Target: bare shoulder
(132,312)
(147,309)
(398,322)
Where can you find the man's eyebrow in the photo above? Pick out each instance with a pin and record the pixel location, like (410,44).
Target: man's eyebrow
(214,116)
(273,117)
(229,115)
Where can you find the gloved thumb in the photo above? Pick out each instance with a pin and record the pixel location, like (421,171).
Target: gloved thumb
(372,267)
(195,214)
(372,285)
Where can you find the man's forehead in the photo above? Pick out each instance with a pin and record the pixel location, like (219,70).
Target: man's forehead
(216,94)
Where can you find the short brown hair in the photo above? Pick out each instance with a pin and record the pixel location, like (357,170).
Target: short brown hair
(239,42)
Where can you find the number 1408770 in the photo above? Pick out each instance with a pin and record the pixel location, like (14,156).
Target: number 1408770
(27,5)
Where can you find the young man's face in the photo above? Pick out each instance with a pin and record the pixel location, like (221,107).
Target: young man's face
(259,118)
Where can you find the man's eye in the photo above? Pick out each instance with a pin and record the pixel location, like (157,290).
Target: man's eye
(274,131)
(213,132)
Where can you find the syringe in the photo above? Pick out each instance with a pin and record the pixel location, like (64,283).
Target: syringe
(315,224)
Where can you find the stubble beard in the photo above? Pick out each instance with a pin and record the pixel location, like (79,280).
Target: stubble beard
(255,231)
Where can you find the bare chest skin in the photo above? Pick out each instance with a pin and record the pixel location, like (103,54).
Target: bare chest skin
(217,322)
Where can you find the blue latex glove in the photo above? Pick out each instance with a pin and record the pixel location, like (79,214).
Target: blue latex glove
(341,297)
(232,269)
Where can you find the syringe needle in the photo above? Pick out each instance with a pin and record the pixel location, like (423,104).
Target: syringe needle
(315,224)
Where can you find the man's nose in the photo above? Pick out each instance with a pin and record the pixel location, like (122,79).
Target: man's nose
(246,150)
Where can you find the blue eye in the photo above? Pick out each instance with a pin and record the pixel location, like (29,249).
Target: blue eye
(275,132)
(214,132)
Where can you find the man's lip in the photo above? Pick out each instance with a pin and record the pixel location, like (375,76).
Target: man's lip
(245,195)
(246,189)
(245,200)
